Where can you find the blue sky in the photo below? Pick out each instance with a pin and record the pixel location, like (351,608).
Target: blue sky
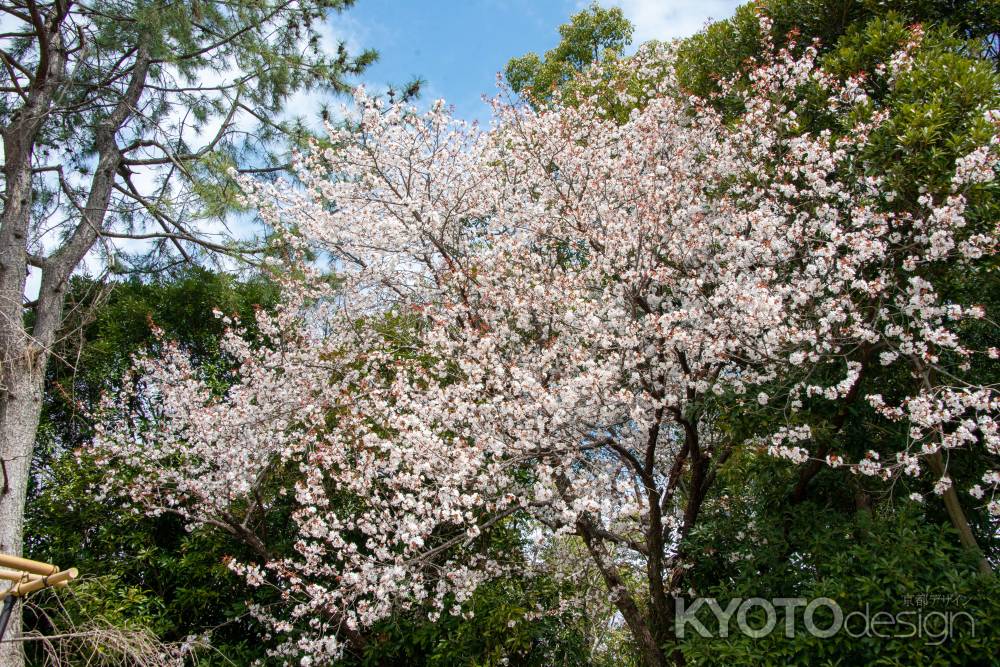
(458,46)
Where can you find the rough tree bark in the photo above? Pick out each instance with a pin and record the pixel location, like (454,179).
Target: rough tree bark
(23,353)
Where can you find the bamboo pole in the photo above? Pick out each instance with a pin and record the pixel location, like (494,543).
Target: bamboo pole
(19,577)
(26,565)
(28,587)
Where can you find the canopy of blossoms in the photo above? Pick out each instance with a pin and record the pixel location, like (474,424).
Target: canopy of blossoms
(540,321)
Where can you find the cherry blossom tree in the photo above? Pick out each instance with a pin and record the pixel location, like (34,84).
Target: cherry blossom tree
(542,322)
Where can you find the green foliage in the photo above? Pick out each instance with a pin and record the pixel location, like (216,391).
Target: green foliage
(865,564)
(724,48)
(937,107)
(593,35)
(495,631)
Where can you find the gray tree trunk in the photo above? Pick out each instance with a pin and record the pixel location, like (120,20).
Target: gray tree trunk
(22,356)
(19,414)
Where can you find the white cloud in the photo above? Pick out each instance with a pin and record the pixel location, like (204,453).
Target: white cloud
(665,19)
